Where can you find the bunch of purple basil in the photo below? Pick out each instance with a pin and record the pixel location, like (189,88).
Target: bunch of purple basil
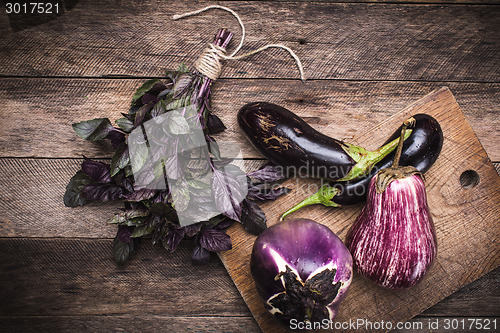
(149,212)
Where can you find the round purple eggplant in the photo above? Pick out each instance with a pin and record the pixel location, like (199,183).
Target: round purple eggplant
(302,270)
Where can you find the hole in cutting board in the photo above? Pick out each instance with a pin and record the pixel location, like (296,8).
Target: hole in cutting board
(469,179)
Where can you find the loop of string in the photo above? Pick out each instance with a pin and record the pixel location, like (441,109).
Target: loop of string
(209,62)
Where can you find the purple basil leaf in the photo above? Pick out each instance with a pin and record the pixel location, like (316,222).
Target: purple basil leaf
(141,231)
(97,171)
(141,114)
(161,209)
(124,233)
(192,229)
(164,93)
(125,123)
(214,124)
(177,124)
(116,137)
(217,219)
(253,218)
(173,165)
(146,87)
(200,256)
(102,192)
(157,88)
(93,130)
(73,195)
(141,194)
(122,251)
(269,173)
(265,192)
(228,193)
(125,182)
(173,238)
(215,240)
(132,217)
(224,224)
(213,147)
(222,162)
(145,178)
(120,159)
(158,109)
(126,115)
(149,99)
(133,110)
(160,197)
(181,83)
(159,231)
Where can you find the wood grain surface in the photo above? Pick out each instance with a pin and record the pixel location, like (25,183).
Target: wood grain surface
(341,109)
(366,60)
(348,41)
(466,221)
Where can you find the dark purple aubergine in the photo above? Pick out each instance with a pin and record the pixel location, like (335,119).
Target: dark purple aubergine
(287,140)
(420,150)
(302,270)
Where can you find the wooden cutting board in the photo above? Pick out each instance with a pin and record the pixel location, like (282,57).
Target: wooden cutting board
(466,218)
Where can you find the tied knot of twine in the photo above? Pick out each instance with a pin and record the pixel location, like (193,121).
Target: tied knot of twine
(209,63)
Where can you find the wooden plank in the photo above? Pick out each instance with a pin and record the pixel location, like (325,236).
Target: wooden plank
(31,201)
(433,2)
(354,41)
(65,277)
(466,224)
(25,16)
(37,113)
(477,299)
(62,277)
(125,323)
(204,324)
(4,21)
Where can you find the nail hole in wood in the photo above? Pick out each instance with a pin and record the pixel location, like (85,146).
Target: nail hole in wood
(469,179)
(302,41)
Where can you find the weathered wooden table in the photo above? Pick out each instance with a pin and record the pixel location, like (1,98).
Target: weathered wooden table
(365,61)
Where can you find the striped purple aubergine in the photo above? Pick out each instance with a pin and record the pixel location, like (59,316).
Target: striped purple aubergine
(302,270)
(393,241)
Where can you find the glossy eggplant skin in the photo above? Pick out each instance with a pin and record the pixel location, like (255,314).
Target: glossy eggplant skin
(308,248)
(393,240)
(287,140)
(421,149)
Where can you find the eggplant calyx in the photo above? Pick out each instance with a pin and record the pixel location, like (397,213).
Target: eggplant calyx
(365,159)
(324,196)
(386,176)
(305,301)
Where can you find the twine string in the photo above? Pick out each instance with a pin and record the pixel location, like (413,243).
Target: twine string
(196,12)
(209,61)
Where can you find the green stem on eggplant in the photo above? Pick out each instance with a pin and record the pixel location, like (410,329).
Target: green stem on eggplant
(366,159)
(324,196)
